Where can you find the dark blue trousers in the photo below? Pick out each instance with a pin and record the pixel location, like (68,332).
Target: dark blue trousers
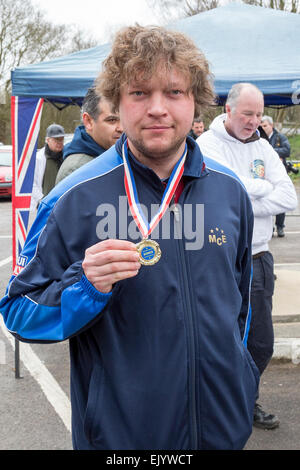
(261,333)
(279,221)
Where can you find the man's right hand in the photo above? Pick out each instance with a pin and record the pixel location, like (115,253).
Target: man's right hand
(110,261)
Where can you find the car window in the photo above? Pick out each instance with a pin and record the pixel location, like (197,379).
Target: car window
(5,159)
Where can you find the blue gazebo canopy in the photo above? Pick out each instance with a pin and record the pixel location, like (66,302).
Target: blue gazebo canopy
(241,42)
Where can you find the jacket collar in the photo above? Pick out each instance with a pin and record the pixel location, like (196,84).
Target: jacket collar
(82,142)
(194,165)
(218,127)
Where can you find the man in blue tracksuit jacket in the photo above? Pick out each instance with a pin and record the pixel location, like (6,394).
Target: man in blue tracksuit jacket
(158,352)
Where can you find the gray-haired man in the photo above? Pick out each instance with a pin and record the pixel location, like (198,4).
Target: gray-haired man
(233,140)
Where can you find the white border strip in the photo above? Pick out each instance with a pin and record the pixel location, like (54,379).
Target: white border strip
(6,261)
(286,264)
(291,233)
(54,394)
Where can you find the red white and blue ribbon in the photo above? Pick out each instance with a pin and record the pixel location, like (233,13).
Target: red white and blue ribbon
(137,213)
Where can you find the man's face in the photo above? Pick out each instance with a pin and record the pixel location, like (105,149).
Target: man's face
(106,129)
(198,128)
(157,114)
(267,127)
(55,144)
(243,121)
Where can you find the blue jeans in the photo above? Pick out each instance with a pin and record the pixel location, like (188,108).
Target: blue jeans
(261,333)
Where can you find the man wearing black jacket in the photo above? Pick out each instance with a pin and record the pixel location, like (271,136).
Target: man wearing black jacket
(281,145)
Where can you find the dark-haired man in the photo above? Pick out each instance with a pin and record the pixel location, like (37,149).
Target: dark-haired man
(281,145)
(197,128)
(100,130)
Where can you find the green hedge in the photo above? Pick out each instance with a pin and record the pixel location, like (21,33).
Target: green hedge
(295,147)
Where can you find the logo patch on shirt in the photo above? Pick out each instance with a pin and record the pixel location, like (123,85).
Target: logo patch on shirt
(217,236)
(258,169)
(21,263)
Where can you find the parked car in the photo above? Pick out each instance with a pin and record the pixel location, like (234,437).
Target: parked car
(68,138)
(5,170)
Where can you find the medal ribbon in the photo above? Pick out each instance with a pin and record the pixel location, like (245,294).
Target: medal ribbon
(132,196)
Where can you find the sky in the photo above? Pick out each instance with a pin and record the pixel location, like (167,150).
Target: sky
(99,18)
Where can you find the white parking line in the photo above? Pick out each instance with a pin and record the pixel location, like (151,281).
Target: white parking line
(286,264)
(292,233)
(5,261)
(54,394)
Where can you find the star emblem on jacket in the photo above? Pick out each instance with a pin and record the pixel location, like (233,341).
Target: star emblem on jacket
(217,236)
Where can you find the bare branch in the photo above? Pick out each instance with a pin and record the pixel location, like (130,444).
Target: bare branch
(170,10)
(27,37)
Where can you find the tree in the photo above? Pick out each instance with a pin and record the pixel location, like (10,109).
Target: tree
(174,9)
(170,10)
(293,6)
(26,37)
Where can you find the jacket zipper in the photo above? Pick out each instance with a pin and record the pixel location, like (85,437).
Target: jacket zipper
(190,334)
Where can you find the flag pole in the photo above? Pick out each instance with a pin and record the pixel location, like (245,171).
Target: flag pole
(24,150)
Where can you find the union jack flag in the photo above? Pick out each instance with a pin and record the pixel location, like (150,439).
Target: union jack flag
(25,117)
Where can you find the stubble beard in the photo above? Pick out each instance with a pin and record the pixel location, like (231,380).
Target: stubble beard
(156,155)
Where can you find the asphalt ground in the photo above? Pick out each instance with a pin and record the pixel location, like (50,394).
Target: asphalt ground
(35,409)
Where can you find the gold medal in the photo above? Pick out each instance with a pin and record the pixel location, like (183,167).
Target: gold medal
(149,252)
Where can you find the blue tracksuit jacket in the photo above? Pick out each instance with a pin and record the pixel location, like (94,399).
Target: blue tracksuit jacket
(161,361)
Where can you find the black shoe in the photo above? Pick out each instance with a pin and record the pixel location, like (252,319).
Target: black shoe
(280,232)
(263,420)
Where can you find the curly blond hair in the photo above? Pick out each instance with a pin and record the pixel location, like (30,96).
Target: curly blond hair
(137,51)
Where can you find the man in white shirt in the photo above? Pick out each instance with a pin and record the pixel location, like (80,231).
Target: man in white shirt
(234,141)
